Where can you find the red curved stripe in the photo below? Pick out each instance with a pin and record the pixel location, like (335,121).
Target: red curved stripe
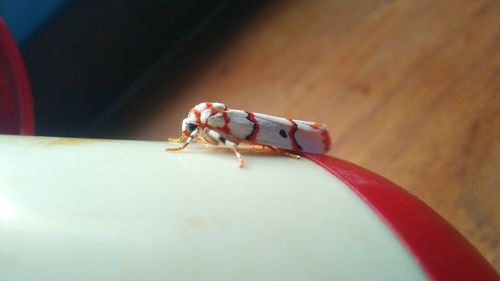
(226,129)
(16,103)
(291,134)
(326,139)
(441,251)
(256,129)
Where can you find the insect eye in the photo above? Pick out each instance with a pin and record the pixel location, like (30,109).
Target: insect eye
(191,127)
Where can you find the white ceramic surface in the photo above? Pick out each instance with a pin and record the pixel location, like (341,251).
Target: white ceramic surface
(79,209)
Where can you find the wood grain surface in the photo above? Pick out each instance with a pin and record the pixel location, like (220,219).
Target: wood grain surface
(408,89)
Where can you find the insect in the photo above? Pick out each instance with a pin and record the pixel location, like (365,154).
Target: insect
(215,123)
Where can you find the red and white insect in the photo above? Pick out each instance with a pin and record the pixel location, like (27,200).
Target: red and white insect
(215,123)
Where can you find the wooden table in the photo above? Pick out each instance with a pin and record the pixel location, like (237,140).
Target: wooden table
(409,89)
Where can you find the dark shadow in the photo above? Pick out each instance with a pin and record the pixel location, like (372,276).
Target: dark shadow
(96,57)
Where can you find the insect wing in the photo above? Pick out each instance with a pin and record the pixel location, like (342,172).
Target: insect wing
(265,129)
(241,124)
(312,137)
(291,134)
(275,131)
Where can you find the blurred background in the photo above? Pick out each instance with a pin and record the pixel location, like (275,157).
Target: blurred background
(409,89)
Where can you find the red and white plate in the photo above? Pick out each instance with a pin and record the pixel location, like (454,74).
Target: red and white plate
(84,209)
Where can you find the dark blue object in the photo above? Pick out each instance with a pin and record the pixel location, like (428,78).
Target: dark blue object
(25,17)
(92,56)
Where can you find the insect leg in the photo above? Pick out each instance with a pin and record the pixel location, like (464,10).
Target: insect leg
(178,140)
(216,135)
(188,141)
(207,138)
(281,151)
(241,162)
(200,139)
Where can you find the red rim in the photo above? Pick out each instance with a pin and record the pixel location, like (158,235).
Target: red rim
(16,104)
(441,251)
